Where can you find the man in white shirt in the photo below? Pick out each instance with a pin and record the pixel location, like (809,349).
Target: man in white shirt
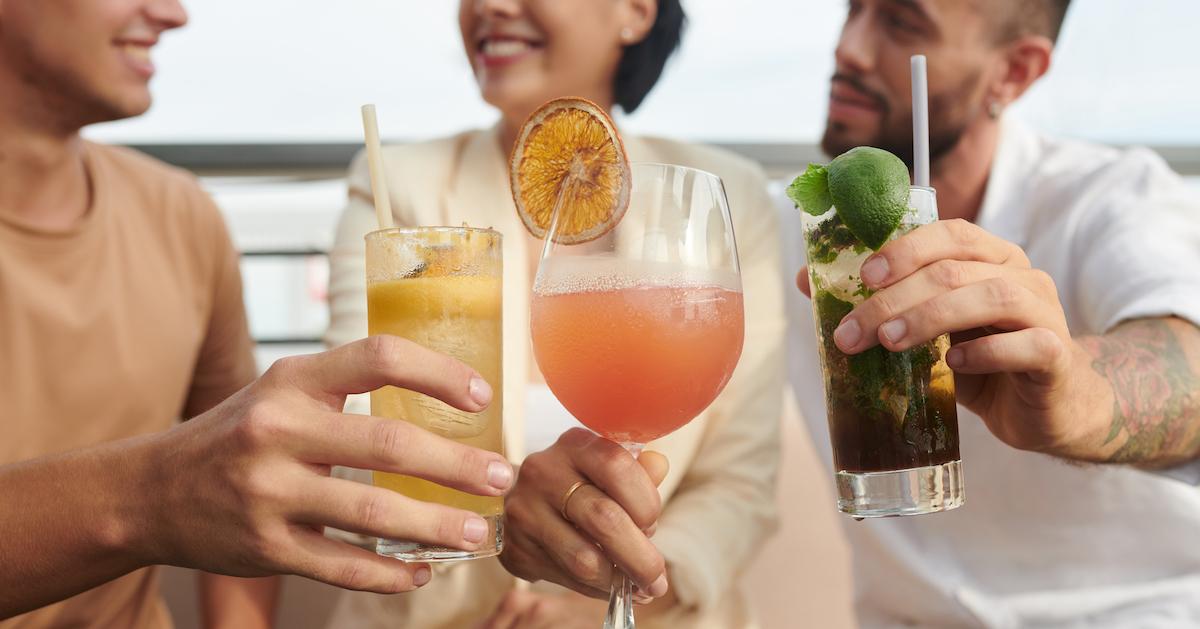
(1071,277)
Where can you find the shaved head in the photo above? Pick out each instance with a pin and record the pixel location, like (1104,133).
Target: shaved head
(1018,18)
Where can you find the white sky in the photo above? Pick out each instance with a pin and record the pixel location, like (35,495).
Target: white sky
(297,70)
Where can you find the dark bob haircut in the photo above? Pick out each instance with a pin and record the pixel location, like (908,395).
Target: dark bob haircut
(642,63)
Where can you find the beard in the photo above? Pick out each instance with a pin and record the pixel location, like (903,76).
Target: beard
(950,114)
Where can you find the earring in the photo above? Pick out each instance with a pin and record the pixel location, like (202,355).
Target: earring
(995,109)
(627,35)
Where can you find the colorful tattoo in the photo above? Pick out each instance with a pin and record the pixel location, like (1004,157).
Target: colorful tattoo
(1155,387)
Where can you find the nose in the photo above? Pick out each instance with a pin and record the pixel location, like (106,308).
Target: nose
(856,49)
(166,14)
(498,8)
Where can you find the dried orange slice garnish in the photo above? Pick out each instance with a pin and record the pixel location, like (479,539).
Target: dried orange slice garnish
(570,147)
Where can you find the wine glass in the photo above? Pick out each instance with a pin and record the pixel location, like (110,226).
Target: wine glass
(638,331)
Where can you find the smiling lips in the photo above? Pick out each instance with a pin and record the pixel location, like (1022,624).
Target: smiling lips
(137,57)
(497,51)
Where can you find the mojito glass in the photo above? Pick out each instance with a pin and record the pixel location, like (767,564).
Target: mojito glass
(892,416)
(440,287)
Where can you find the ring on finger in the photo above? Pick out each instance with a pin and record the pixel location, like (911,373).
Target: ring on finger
(566,499)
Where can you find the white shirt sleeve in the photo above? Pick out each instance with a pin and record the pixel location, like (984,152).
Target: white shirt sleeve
(1139,251)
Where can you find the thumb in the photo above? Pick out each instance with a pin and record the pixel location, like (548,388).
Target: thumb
(656,465)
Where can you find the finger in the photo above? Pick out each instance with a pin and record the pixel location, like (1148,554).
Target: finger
(954,240)
(1031,351)
(940,277)
(382,360)
(339,564)
(997,303)
(396,446)
(614,470)
(802,282)
(605,522)
(380,512)
(540,545)
(656,465)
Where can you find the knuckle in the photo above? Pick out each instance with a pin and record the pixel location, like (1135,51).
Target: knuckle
(963,231)
(383,352)
(389,441)
(1003,293)
(585,564)
(575,438)
(605,515)
(948,273)
(449,528)
(616,462)
(1045,282)
(261,425)
(352,575)
(1048,344)
(371,511)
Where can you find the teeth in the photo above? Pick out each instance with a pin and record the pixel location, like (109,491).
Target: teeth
(141,53)
(504,47)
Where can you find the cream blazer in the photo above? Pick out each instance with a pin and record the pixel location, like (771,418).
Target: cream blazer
(720,494)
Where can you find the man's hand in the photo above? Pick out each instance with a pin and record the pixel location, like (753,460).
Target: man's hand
(610,517)
(1015,363)
(244,489)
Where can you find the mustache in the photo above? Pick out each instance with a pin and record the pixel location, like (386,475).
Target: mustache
(859,86)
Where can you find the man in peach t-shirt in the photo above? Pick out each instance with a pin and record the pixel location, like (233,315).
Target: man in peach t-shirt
(120,314)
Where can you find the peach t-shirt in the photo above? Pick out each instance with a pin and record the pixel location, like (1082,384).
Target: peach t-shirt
(122,325)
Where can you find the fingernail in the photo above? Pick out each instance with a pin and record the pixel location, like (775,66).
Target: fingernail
(643,600)
(894,330)
(874,270)
(499,475)
(954,358)
(847,334)
(480,391)
(422,576)
(474,530)
(659,587)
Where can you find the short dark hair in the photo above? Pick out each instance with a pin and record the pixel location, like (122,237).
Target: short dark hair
(642,63)
(1032,17)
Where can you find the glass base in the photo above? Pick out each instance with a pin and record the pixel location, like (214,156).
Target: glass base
(418,552)
(903,492)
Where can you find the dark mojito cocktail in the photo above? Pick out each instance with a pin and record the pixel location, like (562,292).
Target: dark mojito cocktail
(892,418)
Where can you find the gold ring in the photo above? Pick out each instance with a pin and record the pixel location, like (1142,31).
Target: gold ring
(567,498)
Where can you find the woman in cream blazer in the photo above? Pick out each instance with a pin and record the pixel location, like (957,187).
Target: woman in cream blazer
(719,497)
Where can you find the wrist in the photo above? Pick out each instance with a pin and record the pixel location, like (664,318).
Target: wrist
(134,513)
(1086,409)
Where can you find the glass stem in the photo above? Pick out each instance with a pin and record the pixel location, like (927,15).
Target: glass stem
(620,598)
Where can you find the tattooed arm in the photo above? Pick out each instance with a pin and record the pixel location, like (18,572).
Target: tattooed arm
(1152,371)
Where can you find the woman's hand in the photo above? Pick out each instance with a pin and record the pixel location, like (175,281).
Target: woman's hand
(609,518)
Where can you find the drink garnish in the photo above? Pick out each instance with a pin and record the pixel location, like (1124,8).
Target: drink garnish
(569,154)
(867,186)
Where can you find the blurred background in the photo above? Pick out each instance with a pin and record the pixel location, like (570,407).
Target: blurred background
(262,101)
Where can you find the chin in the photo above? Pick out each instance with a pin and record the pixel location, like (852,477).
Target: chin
(838,138)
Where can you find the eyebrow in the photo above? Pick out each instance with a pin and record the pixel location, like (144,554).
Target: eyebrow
(915,6)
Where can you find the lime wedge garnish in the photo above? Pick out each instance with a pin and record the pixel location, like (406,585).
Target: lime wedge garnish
(869,188)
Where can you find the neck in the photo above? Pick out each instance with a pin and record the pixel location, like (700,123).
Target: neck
(43,181)
(961,175)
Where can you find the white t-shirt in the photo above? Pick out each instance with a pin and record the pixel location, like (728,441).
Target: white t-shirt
(1041,542)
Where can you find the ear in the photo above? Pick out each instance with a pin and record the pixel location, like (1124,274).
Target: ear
(636,15)
(1025,60)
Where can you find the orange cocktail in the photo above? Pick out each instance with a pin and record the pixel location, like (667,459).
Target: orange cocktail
(635,364)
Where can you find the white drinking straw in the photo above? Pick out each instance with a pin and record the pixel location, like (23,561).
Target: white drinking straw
(920,108)
(383,203)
